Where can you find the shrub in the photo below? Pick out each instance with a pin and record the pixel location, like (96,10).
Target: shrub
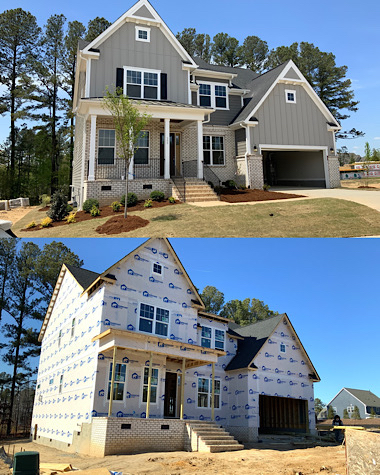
(88,204)
(157,195)
(69,208)
(230,184)
(171,199)
(218,189)
(31,225)
(58,207)
(148,204)
(131,201)
(211,184)
(45,200)
(115,206)
(71,218)
(95,211)
(266,187)
(242,187)
(46,222)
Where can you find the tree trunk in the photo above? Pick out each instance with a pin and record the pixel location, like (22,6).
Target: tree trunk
(13,127)
(126,192)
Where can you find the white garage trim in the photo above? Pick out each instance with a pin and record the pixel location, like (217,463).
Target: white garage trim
(300,148)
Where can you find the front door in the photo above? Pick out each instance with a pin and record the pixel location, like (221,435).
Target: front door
(175,160)
(170,403)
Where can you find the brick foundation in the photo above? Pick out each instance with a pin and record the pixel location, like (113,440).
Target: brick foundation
(255,171)
(334,172)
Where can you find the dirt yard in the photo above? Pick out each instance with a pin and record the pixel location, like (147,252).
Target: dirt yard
(15,214)
(261,460)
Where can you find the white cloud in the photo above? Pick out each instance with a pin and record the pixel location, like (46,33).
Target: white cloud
(376,138)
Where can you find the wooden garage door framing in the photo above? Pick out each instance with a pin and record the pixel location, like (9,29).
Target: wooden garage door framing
(281,414)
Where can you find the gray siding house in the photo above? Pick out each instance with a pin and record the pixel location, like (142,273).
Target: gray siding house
(348,398)
(208,123)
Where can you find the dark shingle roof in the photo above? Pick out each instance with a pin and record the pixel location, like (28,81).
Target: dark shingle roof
(255,335)
(244,76)
(84,277)
(82,44)
(366,397)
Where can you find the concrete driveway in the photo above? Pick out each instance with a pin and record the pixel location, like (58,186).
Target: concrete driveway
(370,198)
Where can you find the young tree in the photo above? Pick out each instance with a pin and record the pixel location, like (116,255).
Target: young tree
(253,53)
(318,405)
(129,122)
(213,299)
(356,413)
(330,413)
(19,34)
(327,79)
(345,414)
(96,27)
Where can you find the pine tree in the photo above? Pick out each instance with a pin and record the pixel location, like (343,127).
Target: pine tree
(345,414)
(96,27)
(225,50)
(254,53)
(330,412)
(19,34)
(356,413)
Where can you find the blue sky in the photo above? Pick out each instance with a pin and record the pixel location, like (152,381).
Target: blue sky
(348,28)
(327,287)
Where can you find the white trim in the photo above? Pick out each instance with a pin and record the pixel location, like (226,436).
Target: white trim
(211,164)
(144,29)
(155,21)
(143,71)
(106,146)
(167,149)
(158,264)
(108,382)
(209,394)
(91,164)
(83,159)
(213,95)
(214,74)
(156,385)
(88,77)
(189,85)
(154,321)
(200,149)
(290,91)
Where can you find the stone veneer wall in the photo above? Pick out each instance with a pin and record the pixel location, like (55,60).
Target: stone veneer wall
(256,172)
(334,172)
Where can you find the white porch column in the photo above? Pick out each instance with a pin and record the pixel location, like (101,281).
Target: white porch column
(112,381)
(248,152)
(91,168)
(167,149)
(200,149)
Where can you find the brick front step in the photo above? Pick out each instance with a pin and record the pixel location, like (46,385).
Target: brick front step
(209,437)
(195,191)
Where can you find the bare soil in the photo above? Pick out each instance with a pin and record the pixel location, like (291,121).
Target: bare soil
(105,211)
(243,196)
(15,214)
(260,460)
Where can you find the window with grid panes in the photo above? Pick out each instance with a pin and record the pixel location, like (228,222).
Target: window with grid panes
(141,156)
(106,147)
(119,382)
(153,385)
(213,150)
(206,337)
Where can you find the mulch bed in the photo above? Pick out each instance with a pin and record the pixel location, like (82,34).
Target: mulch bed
(119,224)
(243,196)
(105,212)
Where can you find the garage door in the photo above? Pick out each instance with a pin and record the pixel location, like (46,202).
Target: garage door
(298,168)
(282,414)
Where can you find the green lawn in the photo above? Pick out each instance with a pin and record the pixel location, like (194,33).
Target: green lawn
(324,217)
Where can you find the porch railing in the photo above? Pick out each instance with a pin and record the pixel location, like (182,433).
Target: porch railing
(180,185)
(211,177)
(118,170)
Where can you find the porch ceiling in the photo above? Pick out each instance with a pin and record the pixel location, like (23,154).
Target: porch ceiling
(174,350)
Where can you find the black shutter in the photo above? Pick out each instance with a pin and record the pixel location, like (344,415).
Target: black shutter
(164,86)
(120,77)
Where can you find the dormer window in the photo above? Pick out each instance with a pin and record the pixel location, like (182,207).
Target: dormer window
(142,34)
(290,96)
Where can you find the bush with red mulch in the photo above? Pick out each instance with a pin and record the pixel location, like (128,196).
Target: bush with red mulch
(243,196)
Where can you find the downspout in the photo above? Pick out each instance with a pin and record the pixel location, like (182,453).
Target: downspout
(247,142)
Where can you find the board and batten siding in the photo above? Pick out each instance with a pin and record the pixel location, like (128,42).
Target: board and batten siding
(282,123)
(240,142)
(121,49)
(225,117)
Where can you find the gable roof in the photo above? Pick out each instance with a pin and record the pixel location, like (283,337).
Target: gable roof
(84,277)
(366,397)
(142,12)
(255,336)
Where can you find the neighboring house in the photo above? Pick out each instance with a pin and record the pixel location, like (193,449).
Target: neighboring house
(207,122)
(131,361)
(356,170)
(349,398)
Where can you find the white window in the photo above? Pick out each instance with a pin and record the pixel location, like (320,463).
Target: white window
(119,382)
(153,385)
(282,347)
(219,339)
(213,95)
(206,337)
(142,34)
(72,327)
(154,320)
(213,150)
(290,96)
(157,268)
(141,156)
(142,83)
(106,147)
(205,391)
(60,384)
(350,409)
